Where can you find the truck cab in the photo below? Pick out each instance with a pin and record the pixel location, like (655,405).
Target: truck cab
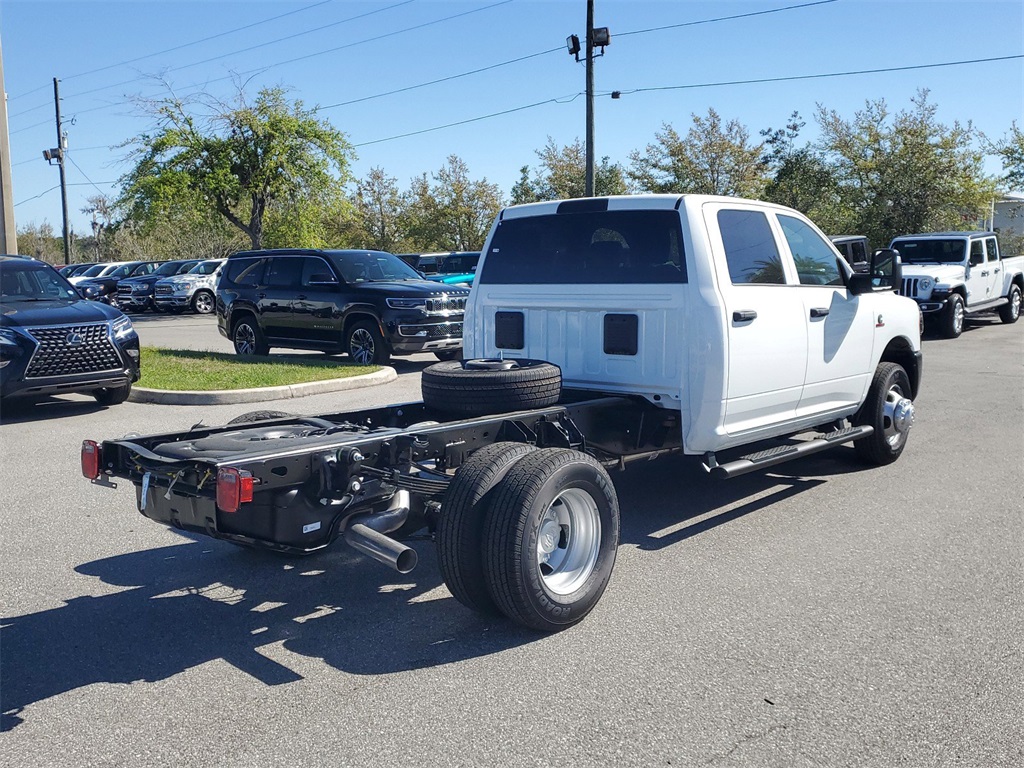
(740,314)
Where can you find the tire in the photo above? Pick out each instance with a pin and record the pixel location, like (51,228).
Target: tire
(112,395)
(550,539)
(251,416)
(444,355)
(480,387)
(953,317)
(890,411)
(1011,311)
(248,339)
(460,526)
(365,344)
(203,303)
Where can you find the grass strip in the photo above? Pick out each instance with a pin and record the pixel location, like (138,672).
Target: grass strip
(182,370)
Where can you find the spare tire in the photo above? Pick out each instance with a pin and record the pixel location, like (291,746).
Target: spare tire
(480,387)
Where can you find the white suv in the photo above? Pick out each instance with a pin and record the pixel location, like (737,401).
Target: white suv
(194,290)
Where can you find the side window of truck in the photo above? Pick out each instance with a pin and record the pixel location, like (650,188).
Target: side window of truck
(815,260)
(284,272)
(993,248)
(977,253)
(750,249)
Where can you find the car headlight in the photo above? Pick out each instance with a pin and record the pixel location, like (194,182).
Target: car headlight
(407,303)
(8,338)
(123,328)
(926,283)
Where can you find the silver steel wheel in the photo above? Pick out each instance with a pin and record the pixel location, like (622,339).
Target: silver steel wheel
(568,541)
(1015,305)
(361,346)
(897,417)
(203,303)
(245,339)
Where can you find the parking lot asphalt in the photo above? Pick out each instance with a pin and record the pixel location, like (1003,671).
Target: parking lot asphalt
(821,613)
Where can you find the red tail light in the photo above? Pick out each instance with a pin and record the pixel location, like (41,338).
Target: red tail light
(92,458)
(234,488)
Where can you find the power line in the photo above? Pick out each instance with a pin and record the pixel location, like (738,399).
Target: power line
(51,189)
(562,100)
(69,157)
(821,75)
(558,100)
(724,18)
(179,47)
(442,79)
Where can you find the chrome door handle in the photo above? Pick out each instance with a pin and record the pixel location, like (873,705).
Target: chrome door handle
(819,312)
(744,315)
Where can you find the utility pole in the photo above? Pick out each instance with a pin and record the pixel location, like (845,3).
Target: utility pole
(8,231)
(589,186)
(63,177)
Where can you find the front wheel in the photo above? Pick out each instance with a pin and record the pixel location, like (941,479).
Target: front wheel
(550,539)
(953,317)
(365,344)
(1010,311)
(248,338)
(112,395)
(890,411)
(203,303)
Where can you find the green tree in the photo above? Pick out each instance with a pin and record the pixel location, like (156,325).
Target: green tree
(562,174)
(905,173)
(239,160)
(1011,152)
(41,242)
(380,210)
(454,213)
(714,158)
(801,178)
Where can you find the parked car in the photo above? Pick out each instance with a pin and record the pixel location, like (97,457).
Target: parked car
(70,270)
(52,341)
(952,275)
(192,290)
(369,304)
(135,294)
(458,268)
(104,287)
(96,270)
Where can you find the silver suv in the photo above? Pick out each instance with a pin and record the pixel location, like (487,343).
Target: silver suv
(193,290)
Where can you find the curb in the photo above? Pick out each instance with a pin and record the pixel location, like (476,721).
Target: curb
(226,396)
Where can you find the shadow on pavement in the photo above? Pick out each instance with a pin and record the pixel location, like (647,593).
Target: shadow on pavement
(24,410)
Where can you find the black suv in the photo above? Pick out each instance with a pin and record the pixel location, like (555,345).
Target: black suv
(370,304)
(53,341)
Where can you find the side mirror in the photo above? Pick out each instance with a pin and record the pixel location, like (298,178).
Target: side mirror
(884,273)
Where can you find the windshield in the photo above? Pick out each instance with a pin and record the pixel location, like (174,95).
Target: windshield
(931,251)
(122,271)
(170,268)
(205,268)
(373,267)
(94,270)
(21,283)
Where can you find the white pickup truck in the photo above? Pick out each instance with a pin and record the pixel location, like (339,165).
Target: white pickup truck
(956,274)
(599,331)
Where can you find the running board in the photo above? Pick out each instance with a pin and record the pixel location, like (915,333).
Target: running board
(784,453)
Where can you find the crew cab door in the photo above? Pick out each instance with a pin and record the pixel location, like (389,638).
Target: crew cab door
(994,267)
(979,274)
(840,327)
(280,284)
(766,333)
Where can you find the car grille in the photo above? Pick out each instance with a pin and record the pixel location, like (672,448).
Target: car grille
(128,290)
(57,356)
(447,304)
(432,331)
(911,288)
(163,290)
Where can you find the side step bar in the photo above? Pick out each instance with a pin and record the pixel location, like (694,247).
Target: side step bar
(773,456)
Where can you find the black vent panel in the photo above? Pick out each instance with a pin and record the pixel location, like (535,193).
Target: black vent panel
(66,350)
(620,334)
(508,330)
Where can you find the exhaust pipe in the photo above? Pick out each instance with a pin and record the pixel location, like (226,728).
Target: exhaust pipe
(366,533)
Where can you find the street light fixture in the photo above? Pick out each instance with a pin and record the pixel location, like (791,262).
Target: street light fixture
(597,37)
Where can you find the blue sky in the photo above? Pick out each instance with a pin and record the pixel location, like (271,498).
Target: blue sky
(329,53)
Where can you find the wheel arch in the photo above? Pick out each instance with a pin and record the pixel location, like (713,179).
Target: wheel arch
(237,312)
(899,350)
(359,315)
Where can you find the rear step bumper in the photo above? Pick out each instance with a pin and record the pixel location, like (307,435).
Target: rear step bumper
(782,454)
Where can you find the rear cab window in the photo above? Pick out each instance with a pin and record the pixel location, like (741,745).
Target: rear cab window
(587,247)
